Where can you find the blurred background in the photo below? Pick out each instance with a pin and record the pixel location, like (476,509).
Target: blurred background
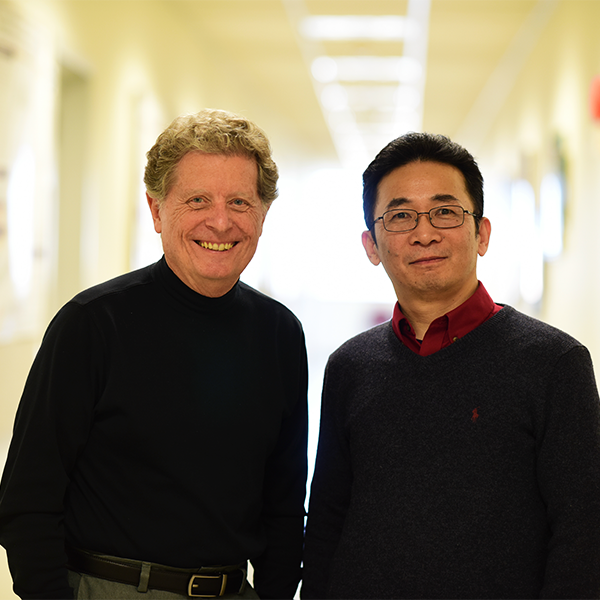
(87,85)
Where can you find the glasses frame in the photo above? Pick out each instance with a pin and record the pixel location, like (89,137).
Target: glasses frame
(428,213)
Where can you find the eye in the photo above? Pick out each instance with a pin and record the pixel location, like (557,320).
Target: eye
(400,216)
(240,204)
(196,202)
(448,211)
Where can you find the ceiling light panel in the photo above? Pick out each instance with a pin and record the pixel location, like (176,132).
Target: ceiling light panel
(350,27)
(366,68)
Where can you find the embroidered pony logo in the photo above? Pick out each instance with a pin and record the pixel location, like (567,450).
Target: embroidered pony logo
(475,415)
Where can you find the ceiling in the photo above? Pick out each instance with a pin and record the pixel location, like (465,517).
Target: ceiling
(260,64)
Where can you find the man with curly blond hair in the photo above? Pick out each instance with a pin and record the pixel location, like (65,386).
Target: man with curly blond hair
(160,442)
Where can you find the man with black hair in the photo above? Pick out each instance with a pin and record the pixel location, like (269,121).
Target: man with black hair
(459,450)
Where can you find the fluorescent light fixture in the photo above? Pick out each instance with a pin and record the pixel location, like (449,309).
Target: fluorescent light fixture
(369,97)
(324,69)
(379,96)
(366,68)
(357,27)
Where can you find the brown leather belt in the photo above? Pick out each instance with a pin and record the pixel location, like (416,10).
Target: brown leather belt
(208,582)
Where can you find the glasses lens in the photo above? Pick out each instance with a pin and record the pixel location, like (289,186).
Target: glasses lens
(399,220)
(447,216)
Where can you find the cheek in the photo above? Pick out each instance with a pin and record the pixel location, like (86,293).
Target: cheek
(259,227)
(252,224)
(184,221)
(394,249)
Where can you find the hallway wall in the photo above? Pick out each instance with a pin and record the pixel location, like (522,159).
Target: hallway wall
(120,71)
(545,126)
(125,73)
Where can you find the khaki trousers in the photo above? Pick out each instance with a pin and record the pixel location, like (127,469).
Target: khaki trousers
(88,587)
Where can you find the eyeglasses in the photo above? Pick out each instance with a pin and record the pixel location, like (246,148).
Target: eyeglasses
(441,217)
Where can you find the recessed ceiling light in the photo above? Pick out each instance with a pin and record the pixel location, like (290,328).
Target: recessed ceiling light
(324,69)
(355,27)
(366,68)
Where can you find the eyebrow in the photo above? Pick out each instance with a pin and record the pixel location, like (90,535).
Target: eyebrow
(395,202)
(243,194)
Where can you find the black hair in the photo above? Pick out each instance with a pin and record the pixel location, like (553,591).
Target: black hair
(421,147)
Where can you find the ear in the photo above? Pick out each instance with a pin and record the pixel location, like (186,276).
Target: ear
(485,231)
(155,210)
(370,247)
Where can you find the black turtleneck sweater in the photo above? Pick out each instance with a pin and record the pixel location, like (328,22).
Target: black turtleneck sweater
(160,425)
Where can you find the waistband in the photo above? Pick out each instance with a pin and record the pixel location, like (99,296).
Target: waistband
(204,582)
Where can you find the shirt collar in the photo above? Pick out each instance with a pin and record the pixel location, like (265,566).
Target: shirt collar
(448,328)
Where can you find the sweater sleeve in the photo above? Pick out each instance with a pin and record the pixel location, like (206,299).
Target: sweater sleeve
(277,571)
(50,430)
(568,447)
(330,493)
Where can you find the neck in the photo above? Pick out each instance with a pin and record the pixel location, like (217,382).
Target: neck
(422,309)
(203,286)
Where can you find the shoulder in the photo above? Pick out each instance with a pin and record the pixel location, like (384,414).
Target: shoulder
(374,346)
(267,308)
(98,306)
(520,329)
(533,351)
(129,282)
(360,371)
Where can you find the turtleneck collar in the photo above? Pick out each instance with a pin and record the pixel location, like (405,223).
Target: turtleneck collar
(185,295)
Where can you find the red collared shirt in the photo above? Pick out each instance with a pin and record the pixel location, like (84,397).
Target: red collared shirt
(449,328)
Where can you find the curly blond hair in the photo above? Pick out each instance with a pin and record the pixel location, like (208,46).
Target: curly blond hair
(212,132)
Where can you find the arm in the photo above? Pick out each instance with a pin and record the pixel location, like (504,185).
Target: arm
(277,571)
(50,430)
(569,478)
(330,493)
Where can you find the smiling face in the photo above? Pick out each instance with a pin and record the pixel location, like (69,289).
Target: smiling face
(210,221)
(428,264)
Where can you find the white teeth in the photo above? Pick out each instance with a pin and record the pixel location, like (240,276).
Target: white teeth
(217,247)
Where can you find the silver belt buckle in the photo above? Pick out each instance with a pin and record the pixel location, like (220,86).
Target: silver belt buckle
(193,578)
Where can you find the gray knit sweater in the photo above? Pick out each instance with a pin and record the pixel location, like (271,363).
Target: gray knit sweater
(470,473)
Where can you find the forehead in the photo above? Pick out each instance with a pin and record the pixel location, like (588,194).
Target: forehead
(237,170)
(423,184)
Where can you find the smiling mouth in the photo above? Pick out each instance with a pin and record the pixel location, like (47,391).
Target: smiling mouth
(427,259)
(223,247)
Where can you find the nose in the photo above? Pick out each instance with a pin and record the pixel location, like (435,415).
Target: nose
(424,233)
(217,217)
